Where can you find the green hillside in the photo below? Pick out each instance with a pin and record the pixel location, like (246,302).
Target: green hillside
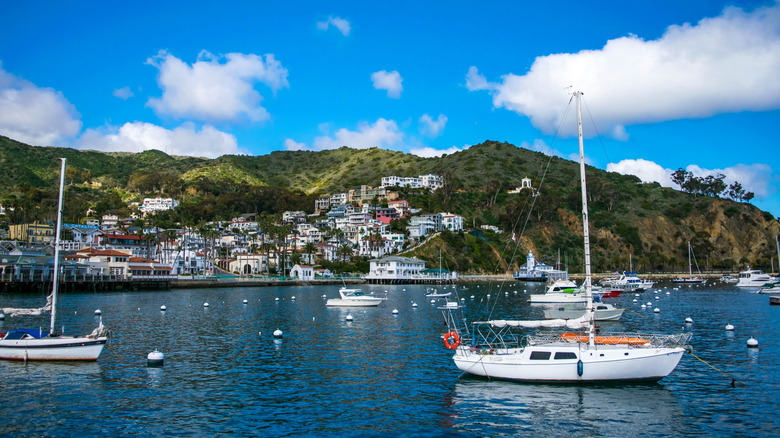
(650,223)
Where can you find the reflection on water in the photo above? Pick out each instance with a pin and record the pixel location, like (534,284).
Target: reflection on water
(499,408)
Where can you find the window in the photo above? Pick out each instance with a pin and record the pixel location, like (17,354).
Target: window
(540,355)
(565,355)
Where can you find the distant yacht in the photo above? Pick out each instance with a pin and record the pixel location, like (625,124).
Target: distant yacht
(754,278)
(538,271)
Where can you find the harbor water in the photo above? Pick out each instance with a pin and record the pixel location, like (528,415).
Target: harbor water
(382,374)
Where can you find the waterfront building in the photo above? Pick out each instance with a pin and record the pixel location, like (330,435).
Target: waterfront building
(394,268)
(302,272)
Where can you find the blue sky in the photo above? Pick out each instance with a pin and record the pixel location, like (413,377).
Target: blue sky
(667,84)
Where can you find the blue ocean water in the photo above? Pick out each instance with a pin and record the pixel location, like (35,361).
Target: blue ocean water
(379,375)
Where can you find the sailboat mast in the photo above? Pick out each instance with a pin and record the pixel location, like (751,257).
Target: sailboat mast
(55,279)
(585,228)
(690,263)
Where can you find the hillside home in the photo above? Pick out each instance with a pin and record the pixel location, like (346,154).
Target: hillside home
(36,232)
(451,222)
(321,204)
(402,206)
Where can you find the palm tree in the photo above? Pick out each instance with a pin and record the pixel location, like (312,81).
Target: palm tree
(344,251)
(310,248)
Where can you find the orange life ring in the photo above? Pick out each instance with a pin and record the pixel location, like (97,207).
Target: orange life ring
(456,340)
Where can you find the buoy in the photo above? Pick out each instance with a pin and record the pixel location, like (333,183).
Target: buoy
(729,328)
(649,303)
(245,301)
(278,333)
(349,317)
(472,297)
(98,312)
(643,306)
(433,301)
(657,298)
(688,321)
(324,296)
(163,308)
(260,333)
(635,300)
(205,304)
(395,311)
(2,316)
(293,298)
(636,295)
(752,343)
(276,299)
(414,304)
(155,359)
(668,293)
(657,310)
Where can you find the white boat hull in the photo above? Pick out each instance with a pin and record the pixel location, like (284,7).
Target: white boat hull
(602,363)
(363,302)
(558,298)
(52,348)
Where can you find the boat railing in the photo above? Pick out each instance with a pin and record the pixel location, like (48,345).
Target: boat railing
(617,338)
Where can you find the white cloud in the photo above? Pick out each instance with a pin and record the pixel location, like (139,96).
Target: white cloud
(123,93)
(431,127)
(719,65)
(382,133)
(34,115)
(292,145)
(140,136)
(475,81)
(428,152)
(212,90)
(756,178)
(390,81)
(647,171)
(339,23)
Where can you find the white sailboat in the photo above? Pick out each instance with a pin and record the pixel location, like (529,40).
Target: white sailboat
(36,344)
(690,279)
(493,350)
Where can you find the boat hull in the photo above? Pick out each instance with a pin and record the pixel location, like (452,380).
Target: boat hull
(342,302)
(598,315)
(52,348)
(603,363)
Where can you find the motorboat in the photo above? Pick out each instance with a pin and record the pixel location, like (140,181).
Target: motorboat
(754,278)
(629,282)
(561,291)
(729,279)
(601,312)
(770,288)
(434,293)
(354,298)
(494,348)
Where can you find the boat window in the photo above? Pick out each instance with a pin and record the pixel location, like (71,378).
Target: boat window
(540,355)
(565,355)
(15,335)
(601,307)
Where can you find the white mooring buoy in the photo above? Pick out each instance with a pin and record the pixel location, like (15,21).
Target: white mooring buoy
(205,304)
(395,311)
(688,321)
(349,317)
(414,304)
(278,333)
(657,310)
(155,359)
(245,301)
(98,312)
(729,328)
(163,308)
(752,343)
(276,299)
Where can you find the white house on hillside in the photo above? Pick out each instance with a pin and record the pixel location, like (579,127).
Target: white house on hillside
(394,268)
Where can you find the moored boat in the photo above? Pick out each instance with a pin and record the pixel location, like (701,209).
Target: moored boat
(770,288)
(493,349)
(354,298)
(754,278)
(601,312)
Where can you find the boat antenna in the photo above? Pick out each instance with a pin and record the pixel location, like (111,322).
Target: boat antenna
(55,280)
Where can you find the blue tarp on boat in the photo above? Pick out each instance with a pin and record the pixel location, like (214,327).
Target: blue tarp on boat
(35,333)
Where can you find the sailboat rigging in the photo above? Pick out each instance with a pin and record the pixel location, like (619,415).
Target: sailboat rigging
(35,344)
(492,349)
